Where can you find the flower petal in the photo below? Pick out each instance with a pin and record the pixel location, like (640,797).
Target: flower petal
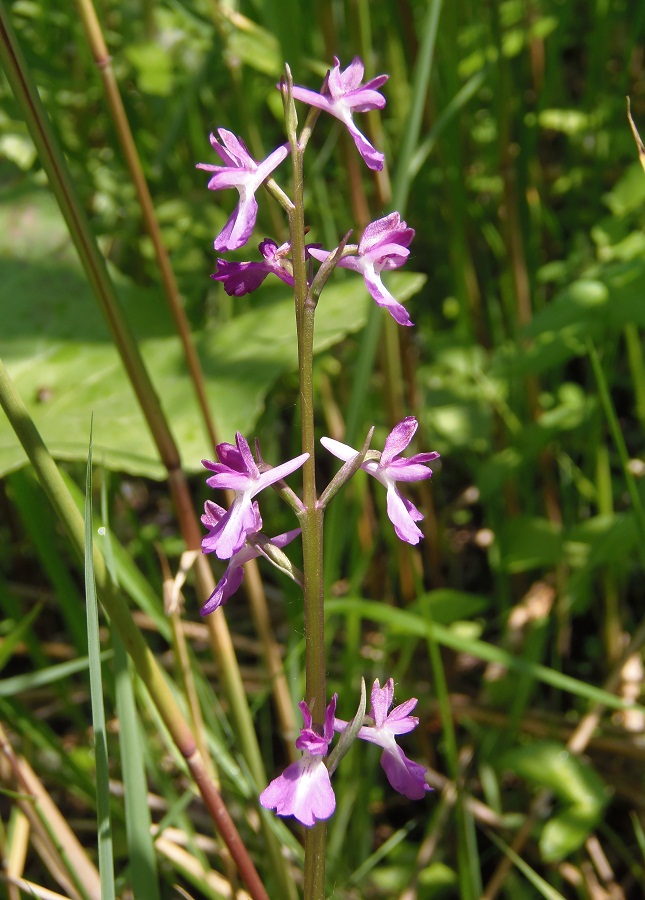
(381,700)
(240,278)
(230,533)
(312,98)
(398,439)
(372,157)
(226,587)
(278,472)
(232,149)
(341,451)
(405,776)
(239,226)
(273,160)
(382,297)
(402,517)
(343,82)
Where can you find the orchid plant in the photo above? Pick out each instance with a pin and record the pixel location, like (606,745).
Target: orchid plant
(304,790)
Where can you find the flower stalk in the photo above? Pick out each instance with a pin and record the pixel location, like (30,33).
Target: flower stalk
(311,519)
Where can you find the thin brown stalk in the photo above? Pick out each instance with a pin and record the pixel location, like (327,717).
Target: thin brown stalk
(173,609)
(253,583)
(103,62)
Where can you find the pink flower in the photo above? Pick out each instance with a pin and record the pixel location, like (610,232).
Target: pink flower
(383,247)
(238,471)
(405,776)
(239,171)
(345,95)
(242,278)
(232,577)
(304,789)
(389,467)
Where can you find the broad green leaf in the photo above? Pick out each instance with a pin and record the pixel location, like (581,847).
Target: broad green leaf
(628,194)
(589,308)
(446,605)
(581,792)
(528,543)
(59,352)
(154,72)
(253,45)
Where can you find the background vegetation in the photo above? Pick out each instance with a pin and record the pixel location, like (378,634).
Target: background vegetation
(519,624)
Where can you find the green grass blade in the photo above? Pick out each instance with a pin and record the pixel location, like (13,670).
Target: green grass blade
(404,171)
(128,576)
(144,878)
(39,523)
(469,879)
(619,441)
(141,851)
(543,887)
(106,855)
(406,622)
(30,681)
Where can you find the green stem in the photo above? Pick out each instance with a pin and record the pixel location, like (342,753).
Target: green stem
(311,518)
(637,367)
(619,442)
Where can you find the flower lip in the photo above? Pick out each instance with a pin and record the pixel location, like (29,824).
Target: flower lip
(304,789)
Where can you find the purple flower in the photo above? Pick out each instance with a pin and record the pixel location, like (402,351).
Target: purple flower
(239,171)
(304,789)
(345,96)
(405,776)
(384,246)
(238,471)
(389,468)
(242,278)
(232,577)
